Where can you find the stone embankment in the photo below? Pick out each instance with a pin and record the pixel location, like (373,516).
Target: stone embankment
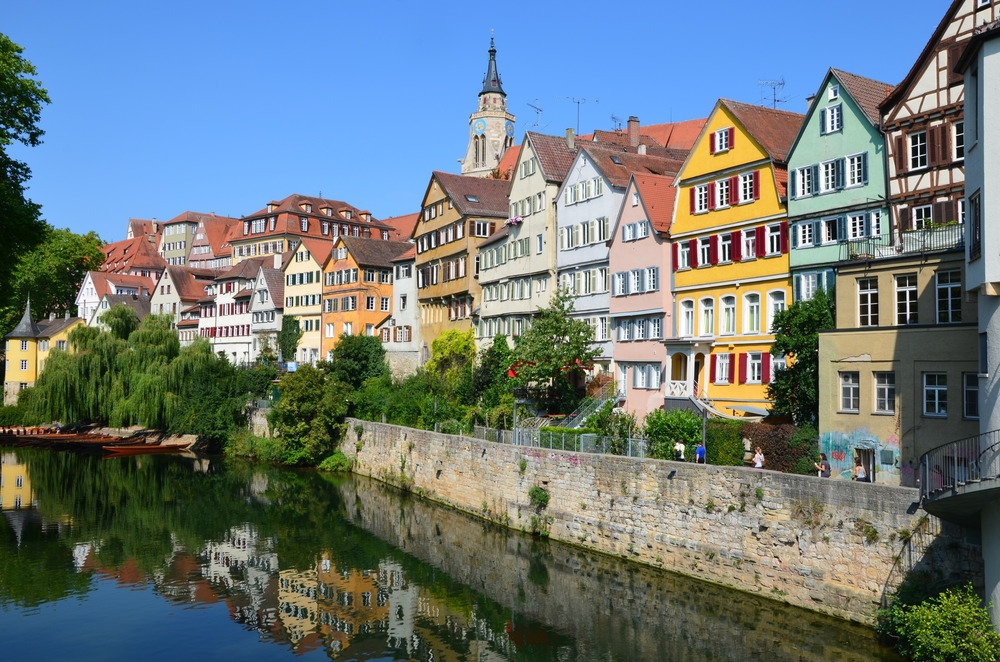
(827,545)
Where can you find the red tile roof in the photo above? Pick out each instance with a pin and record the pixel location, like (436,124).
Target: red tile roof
(774,130)
(658,195)
(403,226)
(618,167)
(508,162)
(128,254)
(319,248)
(554,155)
(105,282)
(375,252)
(866,92)
(475,196)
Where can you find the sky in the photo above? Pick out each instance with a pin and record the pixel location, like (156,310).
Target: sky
(224,105)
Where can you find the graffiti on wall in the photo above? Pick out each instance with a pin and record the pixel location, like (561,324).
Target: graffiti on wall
(842,447)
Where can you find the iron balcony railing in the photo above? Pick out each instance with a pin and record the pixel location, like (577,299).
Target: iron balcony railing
(958,463)
(941,238)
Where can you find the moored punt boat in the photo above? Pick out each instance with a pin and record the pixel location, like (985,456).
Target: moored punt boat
(137,449)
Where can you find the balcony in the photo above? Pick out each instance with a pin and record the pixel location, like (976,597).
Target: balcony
(959,478)
(941,238)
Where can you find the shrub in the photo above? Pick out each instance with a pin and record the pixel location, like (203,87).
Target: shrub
(665,428)
(803,450)
(724,442)
(338,462)
(773,440)
(952,626)
(539,497)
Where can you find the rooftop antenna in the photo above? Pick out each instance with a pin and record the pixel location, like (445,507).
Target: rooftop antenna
(579,101)
(538,112)
(616,122)
(775,85)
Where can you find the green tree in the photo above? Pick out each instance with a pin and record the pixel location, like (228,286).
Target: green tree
(289,337)
(22,99)
(489,378)
(665,428)
(453,354)
(795,389)
(309,415)
(950,627)
(121,321)
(356,359)
(555,353)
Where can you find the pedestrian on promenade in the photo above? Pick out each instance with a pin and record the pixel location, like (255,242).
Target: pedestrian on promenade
(699,453)
(758,459)
(860,474)
(679,451)
(823,466)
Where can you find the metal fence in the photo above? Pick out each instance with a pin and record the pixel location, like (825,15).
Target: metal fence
(968,460)
(564,441)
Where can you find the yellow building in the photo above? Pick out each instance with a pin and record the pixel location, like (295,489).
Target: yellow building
(15,487)
(730,258)
(27,348)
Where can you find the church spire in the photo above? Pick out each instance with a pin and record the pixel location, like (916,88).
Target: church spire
(491,81)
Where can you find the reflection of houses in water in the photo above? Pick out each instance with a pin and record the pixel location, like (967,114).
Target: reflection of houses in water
(246,563)
(15,488)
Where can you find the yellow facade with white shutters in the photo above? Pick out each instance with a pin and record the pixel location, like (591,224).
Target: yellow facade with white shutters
(731,268)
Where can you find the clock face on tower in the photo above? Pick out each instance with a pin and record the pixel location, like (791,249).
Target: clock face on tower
(510,129)
(479,126)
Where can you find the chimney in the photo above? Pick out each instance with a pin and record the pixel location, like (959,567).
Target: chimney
(52,317)
(277,260)
(570,140)
(641,149)
(633,131)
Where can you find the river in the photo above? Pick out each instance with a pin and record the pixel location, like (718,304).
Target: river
(167,557)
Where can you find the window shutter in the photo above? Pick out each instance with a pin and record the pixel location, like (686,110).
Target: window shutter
(795,236)
(736,241)
(864,168)
(743,368)
(693,253)
(711,368)
(822,121)
(711,143)
(729,377)
(713,249)
(756,184)
(732,137)
(676,258)
(493,228)
(692,191)
(900,155)
(761,248)
(793,178)
(734,190)
(765,367)
(904,219)
(711,195)
(840,173)
(943,211)
(796,288)
(815,177)
(784,237)
(841,228)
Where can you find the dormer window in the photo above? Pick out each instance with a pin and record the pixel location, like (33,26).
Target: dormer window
(367,216)
(307,208)
(834,93)
(270,207)
(271,222)
(346,213)
(327,211)
(304,223)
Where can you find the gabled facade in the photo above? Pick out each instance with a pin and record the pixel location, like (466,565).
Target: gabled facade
(358,289)
(590,199)
(178,288)
(97,284)
(491,126)
(304,297)
(224,314)
(730,258)
(517,264)
(459,212)
(211,245)
(136,256)
(898,376)
(837,206)
(281,225)
(923,121)
(401,335)
(27,348)
(267,306)
(640,305)
(138,304)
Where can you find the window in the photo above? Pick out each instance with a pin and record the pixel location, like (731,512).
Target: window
(935,394)
(834,119)
(24,345)
(24,364)
(850,391)
(975,227)
(687,319)
(804,235)
(700,197)
(868,302)
(704,251)
(481,229)
(722,193)
(827,176)
(831,230)
(725,247)
(652,279)
(922,217)
(755,368)
(918,150)
(959,137)
(906,299)
(369,303)
(707,317)
(749,244)
(751,308)
(329,330)
(807,283)
(384,304)
(885,392)
(728,316)
(833,93)
(635,198)
(949,297)
(804,178)
(723,140)
(970,395)
(748,191)
(722,369)
(539,243)
(774,239)
(856,224)
(655,327)
(775,304)
(857,169)
(683,255)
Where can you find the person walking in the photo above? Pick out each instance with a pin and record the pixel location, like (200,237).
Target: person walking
(679,451)
(823,466)
(758,459)
(699,453)
(860,474)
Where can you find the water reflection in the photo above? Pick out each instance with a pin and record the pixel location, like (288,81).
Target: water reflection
(346,569)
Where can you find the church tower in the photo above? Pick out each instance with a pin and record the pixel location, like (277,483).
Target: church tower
(491,127)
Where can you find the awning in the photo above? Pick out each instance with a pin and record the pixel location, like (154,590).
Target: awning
(750,409)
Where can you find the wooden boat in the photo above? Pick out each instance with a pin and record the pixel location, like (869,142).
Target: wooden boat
(137,449)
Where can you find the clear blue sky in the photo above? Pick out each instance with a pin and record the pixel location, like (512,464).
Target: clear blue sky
(223,105)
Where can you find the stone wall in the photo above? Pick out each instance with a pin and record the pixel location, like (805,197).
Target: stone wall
(827,545)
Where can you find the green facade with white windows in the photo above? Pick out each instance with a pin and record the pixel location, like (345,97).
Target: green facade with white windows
(837,209)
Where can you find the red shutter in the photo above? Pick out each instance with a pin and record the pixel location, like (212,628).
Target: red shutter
(734,190)
(784,237)
(732,137)
(711,143)
(729,377)
(711,195)
(900,155)
(743,367)
(761,236)
(677,253)
(693,253)
(692,198)
(765,368)
(737,245)
(713,249)
(711,368)
(756,184)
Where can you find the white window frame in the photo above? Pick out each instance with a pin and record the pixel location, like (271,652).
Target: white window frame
(751,313)
(706,326)
(917,156)
(850,391)
(701,198)
(727,324)
(722,369)
(686,318)
(935,394)
(834,118)
(885,392)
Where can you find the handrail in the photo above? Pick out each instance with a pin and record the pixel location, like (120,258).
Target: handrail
(959,462)
(589,405)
